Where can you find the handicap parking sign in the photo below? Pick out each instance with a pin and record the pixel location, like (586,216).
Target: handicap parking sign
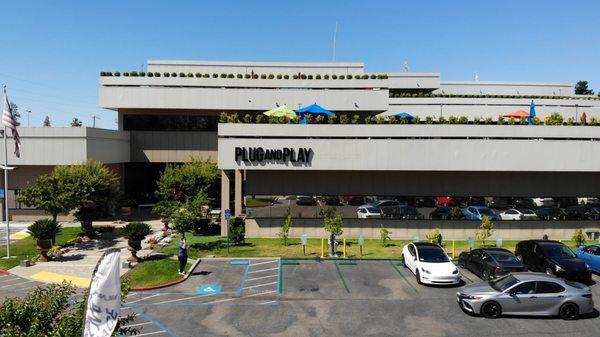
(209,289)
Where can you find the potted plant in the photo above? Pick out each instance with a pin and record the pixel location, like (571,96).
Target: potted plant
(44,231)
(135,232)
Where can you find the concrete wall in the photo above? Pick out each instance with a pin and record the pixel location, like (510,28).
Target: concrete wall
(258,67)
(504,88)
(473,148)
(491,107)
(68,145)
(172,146)
(407,229)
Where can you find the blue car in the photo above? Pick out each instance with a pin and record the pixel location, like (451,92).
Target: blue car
(477,212)
(591,255)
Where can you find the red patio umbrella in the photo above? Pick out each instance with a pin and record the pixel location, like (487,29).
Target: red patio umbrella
(518,114)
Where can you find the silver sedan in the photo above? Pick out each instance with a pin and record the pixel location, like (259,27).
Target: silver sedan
(527,294)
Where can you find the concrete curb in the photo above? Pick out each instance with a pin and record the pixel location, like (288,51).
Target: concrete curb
(4,272)
(166,285)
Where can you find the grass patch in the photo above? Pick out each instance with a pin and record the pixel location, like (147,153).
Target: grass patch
(154,272)
(26,248)
(259,202)
(201,246)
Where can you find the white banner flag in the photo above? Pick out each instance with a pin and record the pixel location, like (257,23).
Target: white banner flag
(104,300)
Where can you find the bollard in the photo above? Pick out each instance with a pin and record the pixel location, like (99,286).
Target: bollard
(345,248)
(322,248)
(453,251)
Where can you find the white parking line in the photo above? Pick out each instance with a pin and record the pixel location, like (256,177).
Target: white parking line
(260,263)
(183,299)
(260,285)
(151,333)
(260,278)
(137,324)
(143,298)
(260,271)
(261,293)
(269,302)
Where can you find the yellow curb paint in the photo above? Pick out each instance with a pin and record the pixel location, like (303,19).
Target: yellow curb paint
(48,277)
(20,235)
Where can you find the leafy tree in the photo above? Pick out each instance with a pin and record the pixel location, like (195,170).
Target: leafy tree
(554,119)
(485,229)
(384,235)
(53,193)
(579,238)
(237,231)
(581,88)
(47,121)
(433,236)
(183,220)
(284,232)
(332,223)
(53,311)
(76,122)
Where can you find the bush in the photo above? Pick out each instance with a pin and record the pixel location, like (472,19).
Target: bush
(357,77)
(489,120)
(380,120)
(302,76)
(332,119)
(295,77)
(223,75)
(344,119)
(536,121)
(593,121)
(126,74)
(230,76)
(334,77)
(150,74)
(182,75)
(117,73)
(342,77)
(215,75)
(255,76)
(247,76)
(237,231)
(198,75)
(318,77)
(485,229)
(355,119)
(284,232)
(271,76)
(428,120)
(442,120)
(260,118)
(500,120)
(452,120)
(44,229)
(476,120)
(166,74)
(136,230)
(279,76)
(570,121)
(416,120)
(173,74)
(287,77)
(223,118)
(433,236)
(247,118)
(190,75)
(326,76)
(554,119)
(456,213)
(373,76)
(463,120)
(579,238)
(511,121)
(310,77)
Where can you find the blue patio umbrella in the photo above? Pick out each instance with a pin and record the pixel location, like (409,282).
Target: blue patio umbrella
(404,115)
(314,110)
(531,113)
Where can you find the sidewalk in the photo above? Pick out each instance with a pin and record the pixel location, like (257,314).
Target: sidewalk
(77,265)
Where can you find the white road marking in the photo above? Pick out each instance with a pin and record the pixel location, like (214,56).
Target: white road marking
(151,333)
(182,299)
(260,285)
(259,263)
(221,301)
(137,324)
(269,302)
(261,293)
(260,271)
(260,278)
(143,298)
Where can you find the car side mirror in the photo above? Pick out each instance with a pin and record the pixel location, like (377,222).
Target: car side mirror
(414,258)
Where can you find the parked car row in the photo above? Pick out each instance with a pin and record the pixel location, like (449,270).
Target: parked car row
(541,278)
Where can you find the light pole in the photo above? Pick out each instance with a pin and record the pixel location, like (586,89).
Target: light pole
(28,113)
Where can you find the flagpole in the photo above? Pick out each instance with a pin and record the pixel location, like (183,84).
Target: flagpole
(6,189)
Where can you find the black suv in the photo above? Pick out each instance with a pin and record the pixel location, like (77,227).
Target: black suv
(553,258)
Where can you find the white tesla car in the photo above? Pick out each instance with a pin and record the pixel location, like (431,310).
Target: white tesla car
(518,214)
(430,263)
(368,211)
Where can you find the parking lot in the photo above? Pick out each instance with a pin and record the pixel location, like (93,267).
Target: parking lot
(259,297)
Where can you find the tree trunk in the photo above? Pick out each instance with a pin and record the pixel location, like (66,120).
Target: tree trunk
(87,229)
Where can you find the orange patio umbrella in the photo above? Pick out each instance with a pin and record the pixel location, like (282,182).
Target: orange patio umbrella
(518,114)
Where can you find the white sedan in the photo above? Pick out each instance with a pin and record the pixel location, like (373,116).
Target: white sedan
(368,211)
(430,263)
(518,214)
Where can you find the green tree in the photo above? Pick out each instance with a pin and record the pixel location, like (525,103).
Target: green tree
(183,220)
(333,224)
(485,229)
(433,236)
(52,311)
(581,88)
(284,232)
(47,121)
(53,193)
(579,238)
(384,235)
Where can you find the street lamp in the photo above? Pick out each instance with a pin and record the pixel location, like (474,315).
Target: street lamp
(28,113)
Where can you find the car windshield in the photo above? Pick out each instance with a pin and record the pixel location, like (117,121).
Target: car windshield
(504,282)
(486,211)
(373,209)
(503,257)
(557,250)
(432,254)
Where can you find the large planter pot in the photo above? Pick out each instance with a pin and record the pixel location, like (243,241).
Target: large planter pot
(134,247)
(43,246)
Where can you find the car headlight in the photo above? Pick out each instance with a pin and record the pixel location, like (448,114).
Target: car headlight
(587,267)
(558,268)
(425,270)
(455,271)
(474,297)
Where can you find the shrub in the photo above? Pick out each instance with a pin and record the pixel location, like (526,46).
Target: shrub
(384,235)
(230,76)
(379,120)
(476,120)
(223,75)
(318,77)
(536,121)
(355,119)
(190,75)
(579,238)
(365,77)
(524,121)
(463,120)
(247,76)
(117,73)
(452,120)
(215,75)
(570,121)
(166,74)
(173,74)
(255,76)
(223,118)
(319,119)
(126,74)
(284,232)
(182,75)
(349,77)
(247,118)
(44,229)
(485,229)
(344,119)
(102,73)
(428,120)
(271,76)
(500,120)
(198,75)
(356,77)
(302,76)
(326,76)
(295,77)
(433,236)
(233,118)
(136,230)
(416,120)
(310,77)
(286,77)
(373,76)
(342,77)
(334,77)
(279,76)
(150,74)
(332,119)
(442,120)
(511,121)
(489,120)
(368,119)
(260,118)
(554,119)
(593,121)
(237,231)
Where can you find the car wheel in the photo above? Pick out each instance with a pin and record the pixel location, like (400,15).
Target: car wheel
(485,275)
(569,311)
(491,310)
(461,263)
(549,271)
(418,277)
(404,261)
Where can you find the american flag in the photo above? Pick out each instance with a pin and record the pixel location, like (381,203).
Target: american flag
(9,122)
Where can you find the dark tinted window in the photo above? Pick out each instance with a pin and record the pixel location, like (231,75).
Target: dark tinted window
(556,250)
(432,254)
(504,282)
(503,257)
(170,123)
(524,288)
(544,287)
(411,250)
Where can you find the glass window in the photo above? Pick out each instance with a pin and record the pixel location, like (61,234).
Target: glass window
(503,257)
(411,250)
(557,250)
(504,282)
(432,254)
(524,288)
(545,287)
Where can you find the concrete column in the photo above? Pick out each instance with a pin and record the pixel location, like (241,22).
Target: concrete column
(225,199)
(238,192)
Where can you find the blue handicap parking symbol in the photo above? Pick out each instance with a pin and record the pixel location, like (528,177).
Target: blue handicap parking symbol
(208,289)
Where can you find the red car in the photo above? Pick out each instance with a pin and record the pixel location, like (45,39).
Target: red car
(448,201)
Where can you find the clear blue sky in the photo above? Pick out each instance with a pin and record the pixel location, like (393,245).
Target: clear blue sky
(52,51)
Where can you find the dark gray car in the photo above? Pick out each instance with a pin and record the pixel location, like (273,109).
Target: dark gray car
(534,294)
